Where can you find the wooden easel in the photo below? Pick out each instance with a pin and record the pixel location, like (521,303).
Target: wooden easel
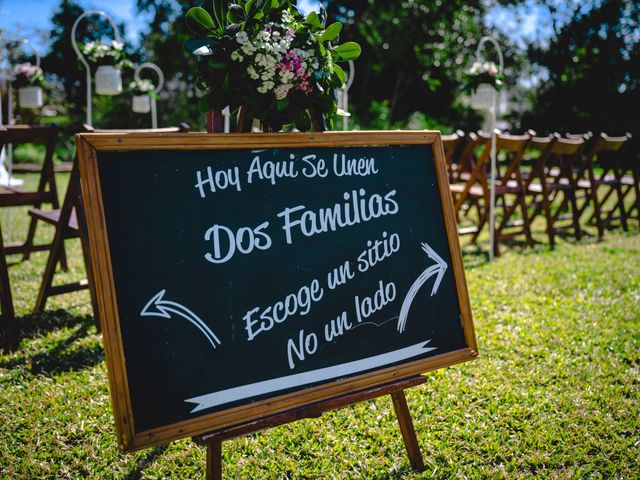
(213,440)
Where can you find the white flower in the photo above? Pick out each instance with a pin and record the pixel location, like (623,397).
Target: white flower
(252,72)
(286,76)
(264,35)
(117,45)
(242,37)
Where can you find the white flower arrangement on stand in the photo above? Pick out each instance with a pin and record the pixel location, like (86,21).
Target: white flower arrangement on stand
(109,60)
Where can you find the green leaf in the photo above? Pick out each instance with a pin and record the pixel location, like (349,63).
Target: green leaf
(314,22)
(200,22)
(282,104)
(346,51)
(337,69)
(220,8)
(199,46)
(236,14)
(266,8)
(331,33)
(203,104)
(248,8)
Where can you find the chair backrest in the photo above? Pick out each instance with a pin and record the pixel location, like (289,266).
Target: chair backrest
(509,152)
(557,157)
(46,135)
(451,143)
(21,134)
(467,158)
(604,151)
(182,128)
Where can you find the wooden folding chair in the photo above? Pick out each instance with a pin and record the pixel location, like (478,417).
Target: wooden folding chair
(7,314)
(509,188)
(629,182)
(70,222)
(601,167)
(552,175)
(46,192)
(452,144)
(469,186)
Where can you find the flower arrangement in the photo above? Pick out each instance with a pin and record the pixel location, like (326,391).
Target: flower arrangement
(267,58)
(482,72)
(143,86)
(106,54)
(28,75)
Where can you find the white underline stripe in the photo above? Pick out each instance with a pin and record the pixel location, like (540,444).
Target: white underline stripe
(267,386)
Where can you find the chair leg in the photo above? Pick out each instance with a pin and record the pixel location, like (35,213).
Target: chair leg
(623,213)
(575,214)
(7,316)
(525,219)
(547,213)
(28,243)
(597,210)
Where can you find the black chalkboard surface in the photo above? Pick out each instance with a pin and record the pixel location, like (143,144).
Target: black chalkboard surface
(240,274)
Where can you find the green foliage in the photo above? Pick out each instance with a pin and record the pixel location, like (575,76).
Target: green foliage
(590,73)
(143,86)
(27,75)
(97,54)
(267,58)
(414,55)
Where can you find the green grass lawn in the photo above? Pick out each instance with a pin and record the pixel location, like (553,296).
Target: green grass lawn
(555,393)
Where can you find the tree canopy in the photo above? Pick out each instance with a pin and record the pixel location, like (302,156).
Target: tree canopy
(583,77)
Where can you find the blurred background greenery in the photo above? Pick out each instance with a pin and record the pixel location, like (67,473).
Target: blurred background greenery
(582,74)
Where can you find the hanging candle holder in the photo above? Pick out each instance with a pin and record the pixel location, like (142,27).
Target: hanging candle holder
(145,101)
(485,94)
(29,80)
(108,77)
(108,80)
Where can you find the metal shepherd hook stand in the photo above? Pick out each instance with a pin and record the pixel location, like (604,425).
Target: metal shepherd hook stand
(343,95)
(493,110)
(155,68)
(82,59)
(12,121)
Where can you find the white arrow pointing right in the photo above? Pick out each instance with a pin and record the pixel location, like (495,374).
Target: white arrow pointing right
(437,269)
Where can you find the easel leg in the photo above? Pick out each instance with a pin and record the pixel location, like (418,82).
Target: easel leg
(214,460)
(408,432)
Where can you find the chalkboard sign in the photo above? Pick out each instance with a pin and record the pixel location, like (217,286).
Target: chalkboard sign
(244,275)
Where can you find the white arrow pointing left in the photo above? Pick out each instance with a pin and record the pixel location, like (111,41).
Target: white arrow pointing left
(158,307)
(437,269)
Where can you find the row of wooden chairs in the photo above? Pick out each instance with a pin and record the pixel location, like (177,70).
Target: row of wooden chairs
(564,178)
(68,220)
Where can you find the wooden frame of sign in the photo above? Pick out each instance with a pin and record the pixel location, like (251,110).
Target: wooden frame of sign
(98,151)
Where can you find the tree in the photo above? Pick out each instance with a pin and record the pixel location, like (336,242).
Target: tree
(591,72)
(413,54)
(163,44)
(61,62)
